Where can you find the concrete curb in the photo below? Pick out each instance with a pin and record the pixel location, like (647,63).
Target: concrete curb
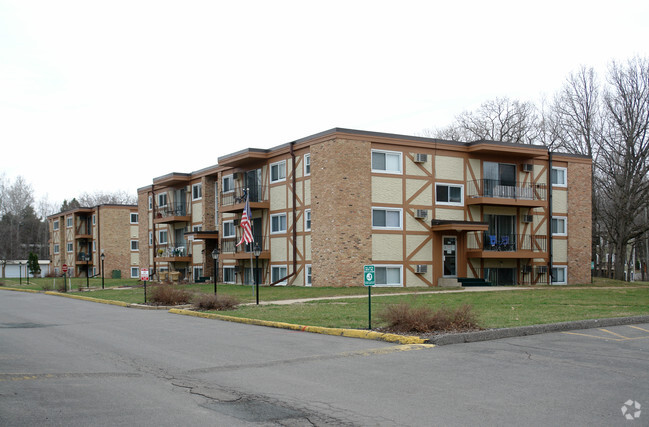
(33,291)
(101,301)
(495,334)
(351,333)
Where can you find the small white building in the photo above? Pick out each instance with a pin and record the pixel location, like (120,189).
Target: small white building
(15,269)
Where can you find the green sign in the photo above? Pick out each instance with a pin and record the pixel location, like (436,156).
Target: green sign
(369,275)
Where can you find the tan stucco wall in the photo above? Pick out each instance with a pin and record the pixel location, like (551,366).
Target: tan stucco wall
(449,168)
(387,247)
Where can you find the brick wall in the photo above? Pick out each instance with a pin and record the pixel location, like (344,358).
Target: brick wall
(341,234)
(114,224)
(579,222)
(143,213)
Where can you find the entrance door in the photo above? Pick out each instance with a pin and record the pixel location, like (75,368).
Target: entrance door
(449,253)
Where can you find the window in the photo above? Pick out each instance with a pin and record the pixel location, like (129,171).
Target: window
(134,218)
(162,200)
(94,219)
(389,275)
(449,194)
(94,271)
(134,245)
(559,226)
(94,246)
(150,238)
(57,248)
(307,164)
(307,220)
(278,223)
(277,273)
(307,275)
(150,202)
(559,275)
(69,222)
(228,184)
(70,247)
(388,218)
(228,275)
(386,161)
(278,171)
(197,191)
(135,273)
(558,177)
(228,229)
(198,272)
(55,225)
(162,237)
(196,228)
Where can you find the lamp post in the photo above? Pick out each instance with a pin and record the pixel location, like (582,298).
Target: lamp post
(257,252)
(215,257)
(103,256)
(20,272)
(87,271)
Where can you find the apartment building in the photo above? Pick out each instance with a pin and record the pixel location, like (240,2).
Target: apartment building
(78,238)
(425,212)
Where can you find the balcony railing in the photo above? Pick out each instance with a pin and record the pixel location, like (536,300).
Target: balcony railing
(229,246)
(239,196)
(172,209)
(174,252)
(506,242)
(499,189)
(526,275)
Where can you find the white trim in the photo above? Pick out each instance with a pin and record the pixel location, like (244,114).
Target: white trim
(150,202)
(307,156)
(69,221)
(461,186)
(137,273)
(200,191)
(273,267)
(57,248)
(279,178)
(283,214)
(234,275)
(565,176)
(55,225)
(229,178)
(150,238)
(160,205)
(137,218)
(307,267)
(399,266)
(386,170)
(307,213)
(234,232)
(166,232)
(68,246)
(137,245)
(194,275)
(565,274)
(565,225)
(387,209)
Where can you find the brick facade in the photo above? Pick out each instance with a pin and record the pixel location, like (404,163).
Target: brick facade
(579,222)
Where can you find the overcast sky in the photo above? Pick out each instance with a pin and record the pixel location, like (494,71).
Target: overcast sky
(106,95)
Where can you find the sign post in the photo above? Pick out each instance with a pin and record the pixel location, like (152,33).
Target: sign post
(144,276)
(64,268)
(368,273)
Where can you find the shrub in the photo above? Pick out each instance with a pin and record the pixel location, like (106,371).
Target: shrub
(212,302)
(61,287)
(46,287)
(169,295)
(407,318)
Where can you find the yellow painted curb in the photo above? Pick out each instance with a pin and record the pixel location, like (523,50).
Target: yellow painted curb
(33,291)
(102,301)
(352,333)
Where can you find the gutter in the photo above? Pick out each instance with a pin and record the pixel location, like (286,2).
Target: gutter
(550,254)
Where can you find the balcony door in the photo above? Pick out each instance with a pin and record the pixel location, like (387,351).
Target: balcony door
(499,178)
(253,183)
(180,204)
(502,232)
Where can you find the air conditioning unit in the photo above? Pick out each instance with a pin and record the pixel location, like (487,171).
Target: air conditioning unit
(421,269)
(528,167)
(527,269)
(421,158)
(542,269)
(528,218)
(421,213)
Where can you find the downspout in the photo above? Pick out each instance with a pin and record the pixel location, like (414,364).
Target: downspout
(550,254)
(153,227)
(294,211)
(98,253)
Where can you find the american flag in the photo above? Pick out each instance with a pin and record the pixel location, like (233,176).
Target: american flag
(246,226)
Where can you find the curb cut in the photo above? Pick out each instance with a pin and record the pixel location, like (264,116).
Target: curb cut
(351,333)
(495,334)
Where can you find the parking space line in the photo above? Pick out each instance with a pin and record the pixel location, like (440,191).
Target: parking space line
(614,333)
(593,336)
(637,327)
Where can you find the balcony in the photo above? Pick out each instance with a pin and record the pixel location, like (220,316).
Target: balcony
(496,192)
(230,250)
(233,201)
(81,259)
(174,212)
(488,245)
(174,254)
(526,275)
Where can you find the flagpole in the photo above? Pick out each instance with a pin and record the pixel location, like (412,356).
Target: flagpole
(252,271)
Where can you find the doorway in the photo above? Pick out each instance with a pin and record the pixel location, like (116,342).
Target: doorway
(449,256)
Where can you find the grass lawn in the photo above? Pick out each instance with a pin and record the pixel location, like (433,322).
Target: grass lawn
(543,304)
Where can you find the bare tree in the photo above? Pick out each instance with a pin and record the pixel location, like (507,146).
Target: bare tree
(500,119)
(101,198)
(624,159)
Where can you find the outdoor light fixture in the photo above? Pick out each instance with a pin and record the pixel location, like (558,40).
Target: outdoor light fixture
(215,256)
(257,252)
(103,256)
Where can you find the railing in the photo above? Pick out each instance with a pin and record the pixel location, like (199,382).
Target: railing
(526,275)
(172,209)
(230,245)
(506,242)
(174,252)
(500,189)
(239,196)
